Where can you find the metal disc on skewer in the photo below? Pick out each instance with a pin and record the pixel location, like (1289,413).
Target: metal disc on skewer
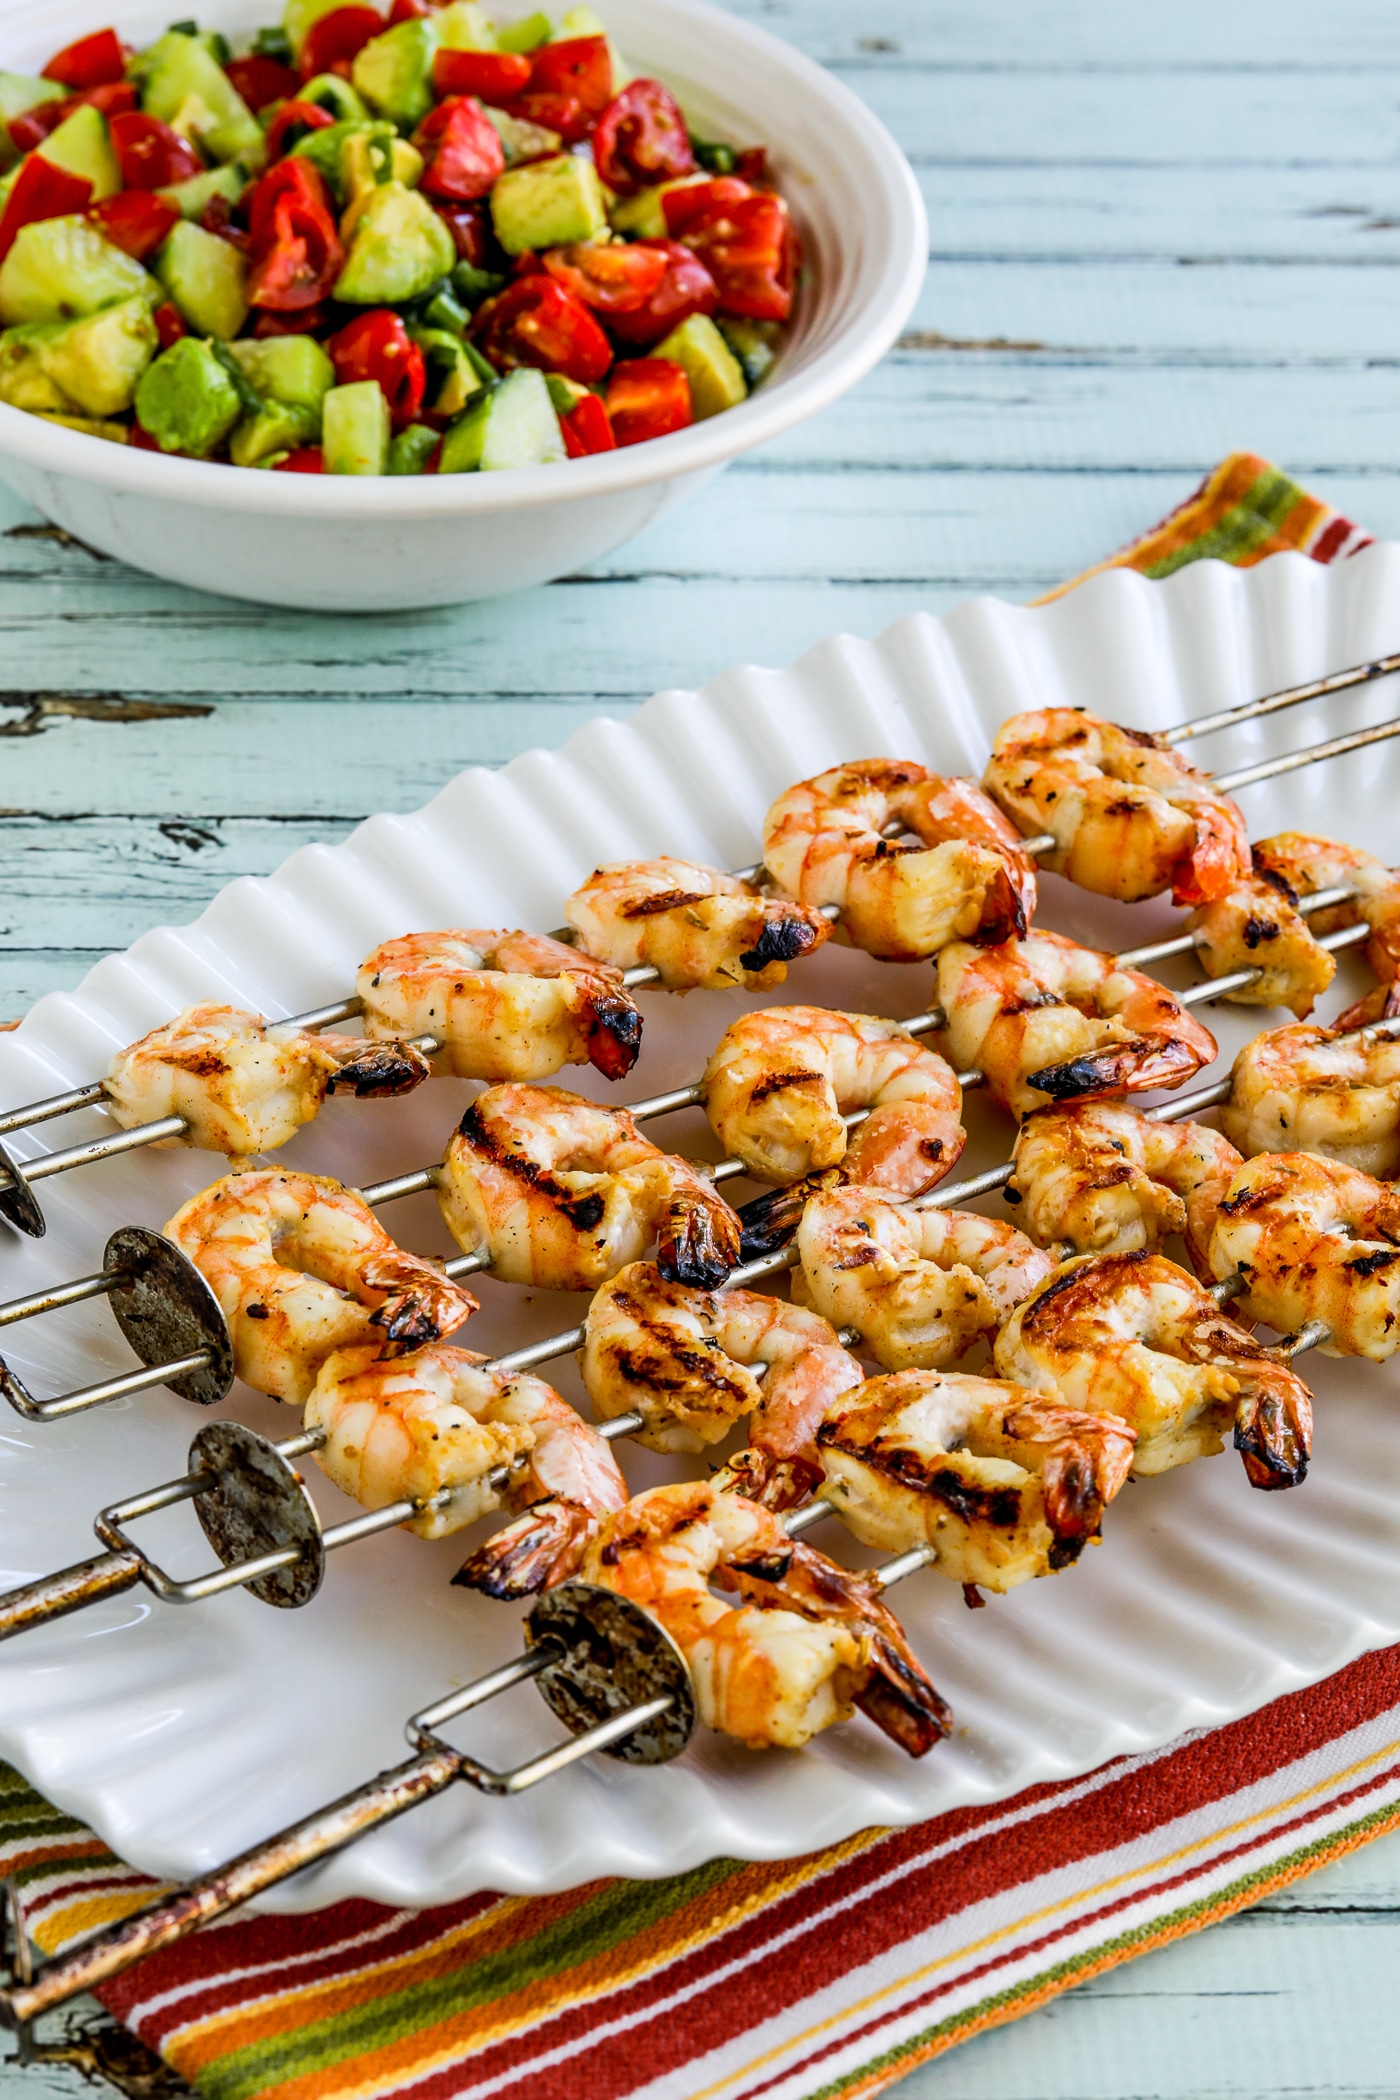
(258,1504)
(615,1656)
(19,1206)
(166,1310)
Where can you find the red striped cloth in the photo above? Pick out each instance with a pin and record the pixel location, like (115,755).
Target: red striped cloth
(828,1976)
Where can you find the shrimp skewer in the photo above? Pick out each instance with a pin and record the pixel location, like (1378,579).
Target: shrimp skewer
(1331,1091)
(691,925)
(1313,1240)
(1257,924)
(1309,864)
(301,1267)
(825,843)
(243,1085)
(1134,1336)
(501,1006)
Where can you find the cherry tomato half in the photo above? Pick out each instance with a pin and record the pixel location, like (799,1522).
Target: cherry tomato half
(337,38)
(307,459)
(135,221)
(297,252)
(41,191)
(613,279)
(750,249)
(170,324)
(94,61)
(462,150)
(648,397)
(262,80)
(686,288)
(641,139)
(497,76)
(31,129)
(149,154)
(685,208)
(536,322)
(377,346)
(291,124)
(587,429)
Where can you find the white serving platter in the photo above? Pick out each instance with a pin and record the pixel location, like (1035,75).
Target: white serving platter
(184,1735)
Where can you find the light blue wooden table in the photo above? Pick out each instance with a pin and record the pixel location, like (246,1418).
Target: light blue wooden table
(1158,234)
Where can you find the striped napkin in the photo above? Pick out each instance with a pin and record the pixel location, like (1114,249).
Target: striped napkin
(828,1976)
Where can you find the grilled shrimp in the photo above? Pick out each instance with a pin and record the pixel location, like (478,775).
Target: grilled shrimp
(1132,1335)
(808,1643)
(780,1081)
(437,1425)
(1333,1091)
(245,1085)
(1314,1239)
(1096,1177)
(1306,864)
(1130,817)
(699,928)
(562,1194)
(502,1005)
(920,1287)
(823,842)
(1044,1019)
(302,1267)
(692,1362)
(1002,1483)
(1256,925)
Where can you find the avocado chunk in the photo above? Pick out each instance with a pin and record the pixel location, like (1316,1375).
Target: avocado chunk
(514,425)
(191,197)
(525,36)
(355,429)
(400,250)
(464,26)
(642,217)
(277,427)
(716,377)
(61,269)
(358,156)
(81,145)
(291,369)
(394,72)
(754,343)
(89,426)
(186,87)
(456,372)
(83,368)
(206,278)
(549,204)
(412,449)
(186,400)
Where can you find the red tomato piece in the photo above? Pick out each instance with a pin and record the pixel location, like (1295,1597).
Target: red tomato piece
(614,279)
(470,227)
(116,99)
(497,76)
(377,346)
(262,80)
(337,38)
(683,209)
(641,139)
(170,324)
(291,123)
(149,154)
(297,252)
(752,164)
(310,321)
(408,11)
(462,150)
(142,439)
(562,113)
(41,192)
(33,127)
(135,221)
(587,429)
(92,62)
(580,66)
(307,459)
(648,397)
(686,288)
(751,251)
(536,322)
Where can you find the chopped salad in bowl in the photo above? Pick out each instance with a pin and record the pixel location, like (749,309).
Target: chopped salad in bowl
(420,243)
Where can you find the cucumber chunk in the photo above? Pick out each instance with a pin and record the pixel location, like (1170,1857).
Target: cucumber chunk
(716,377)
(61,269)
(186,87)
(549,204)
(355,429)
(81,145)
(18,94)
(192,196)
(84,368)
(513,426)
(520,139)
(394,72)
(525,36)
(186,400)
(754,343)
(277,427)
(292,369)
(400,250)
(464,26)
(206,278)
(412,449)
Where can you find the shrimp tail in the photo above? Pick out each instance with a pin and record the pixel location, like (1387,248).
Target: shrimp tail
(1126,1068)
(903,1701)
(1273,1429)
(785,937)
(614,1034)
(770,1221)
(1381,1003)
(1006,908)
(374,1071)
(773,1483)
(420,1306)
(1079,1479)
(543,1547)
(700,1241)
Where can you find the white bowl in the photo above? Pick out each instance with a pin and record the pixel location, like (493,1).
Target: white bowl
(371,545)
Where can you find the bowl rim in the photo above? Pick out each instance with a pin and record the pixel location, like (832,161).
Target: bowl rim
(832,370)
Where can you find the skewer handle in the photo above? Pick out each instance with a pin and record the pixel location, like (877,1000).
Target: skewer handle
(71,1589)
